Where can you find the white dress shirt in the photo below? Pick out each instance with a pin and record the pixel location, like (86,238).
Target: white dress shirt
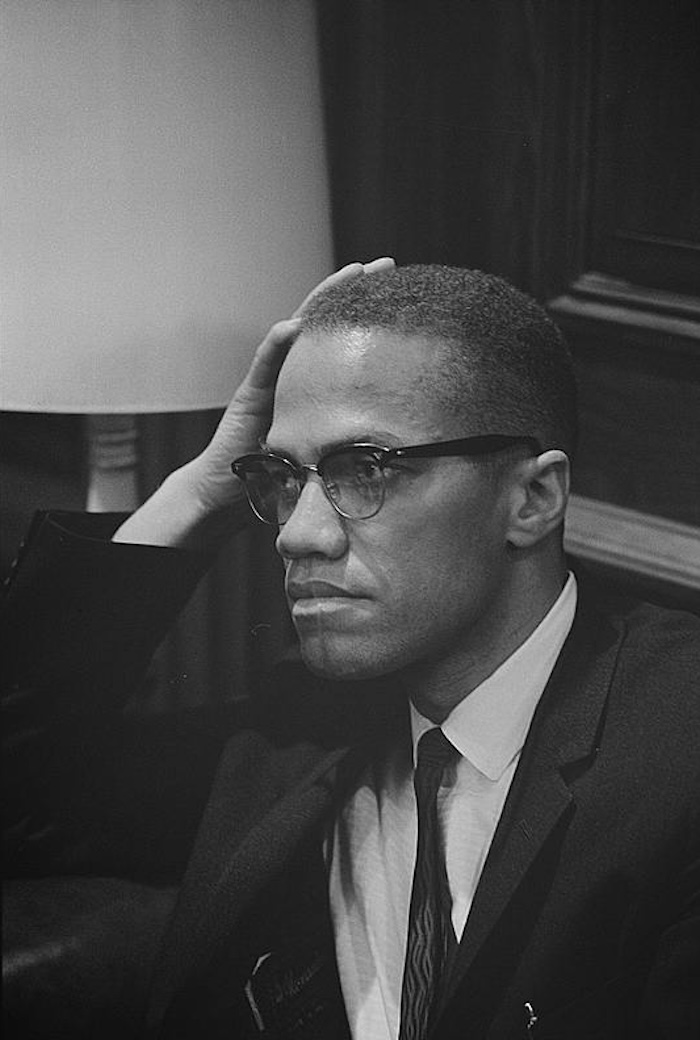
(371,851)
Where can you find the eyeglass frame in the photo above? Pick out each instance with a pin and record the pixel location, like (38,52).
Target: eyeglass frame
(468,447)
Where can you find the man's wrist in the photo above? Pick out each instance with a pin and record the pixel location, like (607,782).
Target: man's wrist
(177,516)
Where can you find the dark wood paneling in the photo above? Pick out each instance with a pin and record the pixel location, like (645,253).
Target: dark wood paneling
(646,205)
(632,312)
(637,354)
(640,417)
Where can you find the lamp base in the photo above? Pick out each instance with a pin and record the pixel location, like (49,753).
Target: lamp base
(113,462)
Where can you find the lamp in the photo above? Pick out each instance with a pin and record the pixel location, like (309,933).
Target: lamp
(164,200)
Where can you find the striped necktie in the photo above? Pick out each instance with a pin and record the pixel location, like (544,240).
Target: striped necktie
(430,934)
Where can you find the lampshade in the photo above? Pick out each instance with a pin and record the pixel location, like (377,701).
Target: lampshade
(164,196)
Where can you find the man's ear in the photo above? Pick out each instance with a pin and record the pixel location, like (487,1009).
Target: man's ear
(540,492)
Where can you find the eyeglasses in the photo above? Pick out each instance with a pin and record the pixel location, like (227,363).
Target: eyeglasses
(354,478)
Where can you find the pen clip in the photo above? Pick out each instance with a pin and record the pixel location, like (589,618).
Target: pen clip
(530,1018)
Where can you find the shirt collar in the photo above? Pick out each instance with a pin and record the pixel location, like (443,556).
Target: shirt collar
(490,725)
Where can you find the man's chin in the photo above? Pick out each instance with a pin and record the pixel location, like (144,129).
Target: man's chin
(341,665)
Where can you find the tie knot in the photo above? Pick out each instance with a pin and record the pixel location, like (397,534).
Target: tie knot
(434,750)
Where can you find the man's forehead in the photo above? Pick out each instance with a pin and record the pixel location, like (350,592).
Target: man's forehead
(348,383)
(372,357)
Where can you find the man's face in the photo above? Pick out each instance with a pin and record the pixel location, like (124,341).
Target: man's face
(420,583)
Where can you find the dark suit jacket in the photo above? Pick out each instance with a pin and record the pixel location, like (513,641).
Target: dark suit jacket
(588,909)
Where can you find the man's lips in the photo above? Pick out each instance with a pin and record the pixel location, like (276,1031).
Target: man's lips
(319,589)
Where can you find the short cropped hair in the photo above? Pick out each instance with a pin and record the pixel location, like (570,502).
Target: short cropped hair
(496,350)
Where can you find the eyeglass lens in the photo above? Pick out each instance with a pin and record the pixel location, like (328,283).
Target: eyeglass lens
(272,487)
(353,480)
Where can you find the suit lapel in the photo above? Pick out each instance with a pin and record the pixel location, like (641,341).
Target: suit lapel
(562,742)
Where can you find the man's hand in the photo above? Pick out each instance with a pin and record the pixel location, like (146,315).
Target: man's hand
(249,415)
(192,505)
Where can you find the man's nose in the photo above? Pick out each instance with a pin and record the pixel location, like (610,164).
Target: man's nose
(314,527)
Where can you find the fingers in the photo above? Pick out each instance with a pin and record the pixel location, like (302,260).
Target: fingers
(269,356)
(353,270)
(274,348)
(382,263)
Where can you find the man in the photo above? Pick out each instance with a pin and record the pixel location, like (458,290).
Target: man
(480,819)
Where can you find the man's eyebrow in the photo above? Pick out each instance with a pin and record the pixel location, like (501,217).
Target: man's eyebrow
(379,438)
(267,450)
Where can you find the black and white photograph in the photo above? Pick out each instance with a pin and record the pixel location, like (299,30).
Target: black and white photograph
(350,519)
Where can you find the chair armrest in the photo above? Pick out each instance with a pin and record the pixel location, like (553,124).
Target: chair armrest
(78,955)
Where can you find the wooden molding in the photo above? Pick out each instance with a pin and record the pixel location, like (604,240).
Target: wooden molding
(602,287)
(666,320)
(644,544)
